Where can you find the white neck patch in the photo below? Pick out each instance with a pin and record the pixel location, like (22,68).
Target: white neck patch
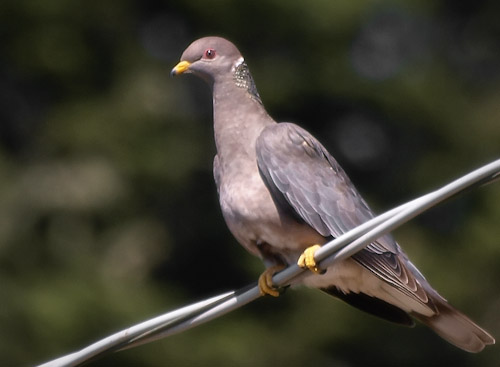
(237,63)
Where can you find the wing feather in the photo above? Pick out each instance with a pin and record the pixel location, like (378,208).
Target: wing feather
(301,173)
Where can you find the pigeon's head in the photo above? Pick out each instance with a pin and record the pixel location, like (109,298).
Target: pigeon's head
(209,58)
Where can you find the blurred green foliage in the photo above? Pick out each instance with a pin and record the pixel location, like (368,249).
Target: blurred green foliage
(108,211)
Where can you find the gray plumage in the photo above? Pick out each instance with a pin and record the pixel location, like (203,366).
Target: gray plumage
(280,192)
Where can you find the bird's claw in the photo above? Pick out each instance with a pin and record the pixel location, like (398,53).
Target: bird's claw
(306,260)
(266,281)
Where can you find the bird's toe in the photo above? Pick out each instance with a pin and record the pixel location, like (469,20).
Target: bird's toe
(306,260)
(266,281)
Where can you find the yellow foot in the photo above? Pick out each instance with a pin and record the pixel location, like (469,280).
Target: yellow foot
(306,260)
(266,281)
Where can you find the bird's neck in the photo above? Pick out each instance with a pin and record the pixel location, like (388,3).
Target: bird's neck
(239,116)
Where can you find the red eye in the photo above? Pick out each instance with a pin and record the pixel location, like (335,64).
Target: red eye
(210,53)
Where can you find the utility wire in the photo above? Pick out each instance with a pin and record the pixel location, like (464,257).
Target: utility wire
(336,250)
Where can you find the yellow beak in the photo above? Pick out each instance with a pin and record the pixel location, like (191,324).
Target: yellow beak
(180,68)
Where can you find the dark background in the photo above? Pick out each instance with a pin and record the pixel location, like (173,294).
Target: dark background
(108,210)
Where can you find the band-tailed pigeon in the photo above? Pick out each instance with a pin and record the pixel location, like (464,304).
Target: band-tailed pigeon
(282,194)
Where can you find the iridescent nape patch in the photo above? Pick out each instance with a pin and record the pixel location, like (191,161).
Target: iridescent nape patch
(243,79)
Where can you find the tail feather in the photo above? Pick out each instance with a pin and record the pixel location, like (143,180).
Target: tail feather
(443,319)
(456,328)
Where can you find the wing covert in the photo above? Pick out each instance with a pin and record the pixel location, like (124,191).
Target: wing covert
(297,167)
